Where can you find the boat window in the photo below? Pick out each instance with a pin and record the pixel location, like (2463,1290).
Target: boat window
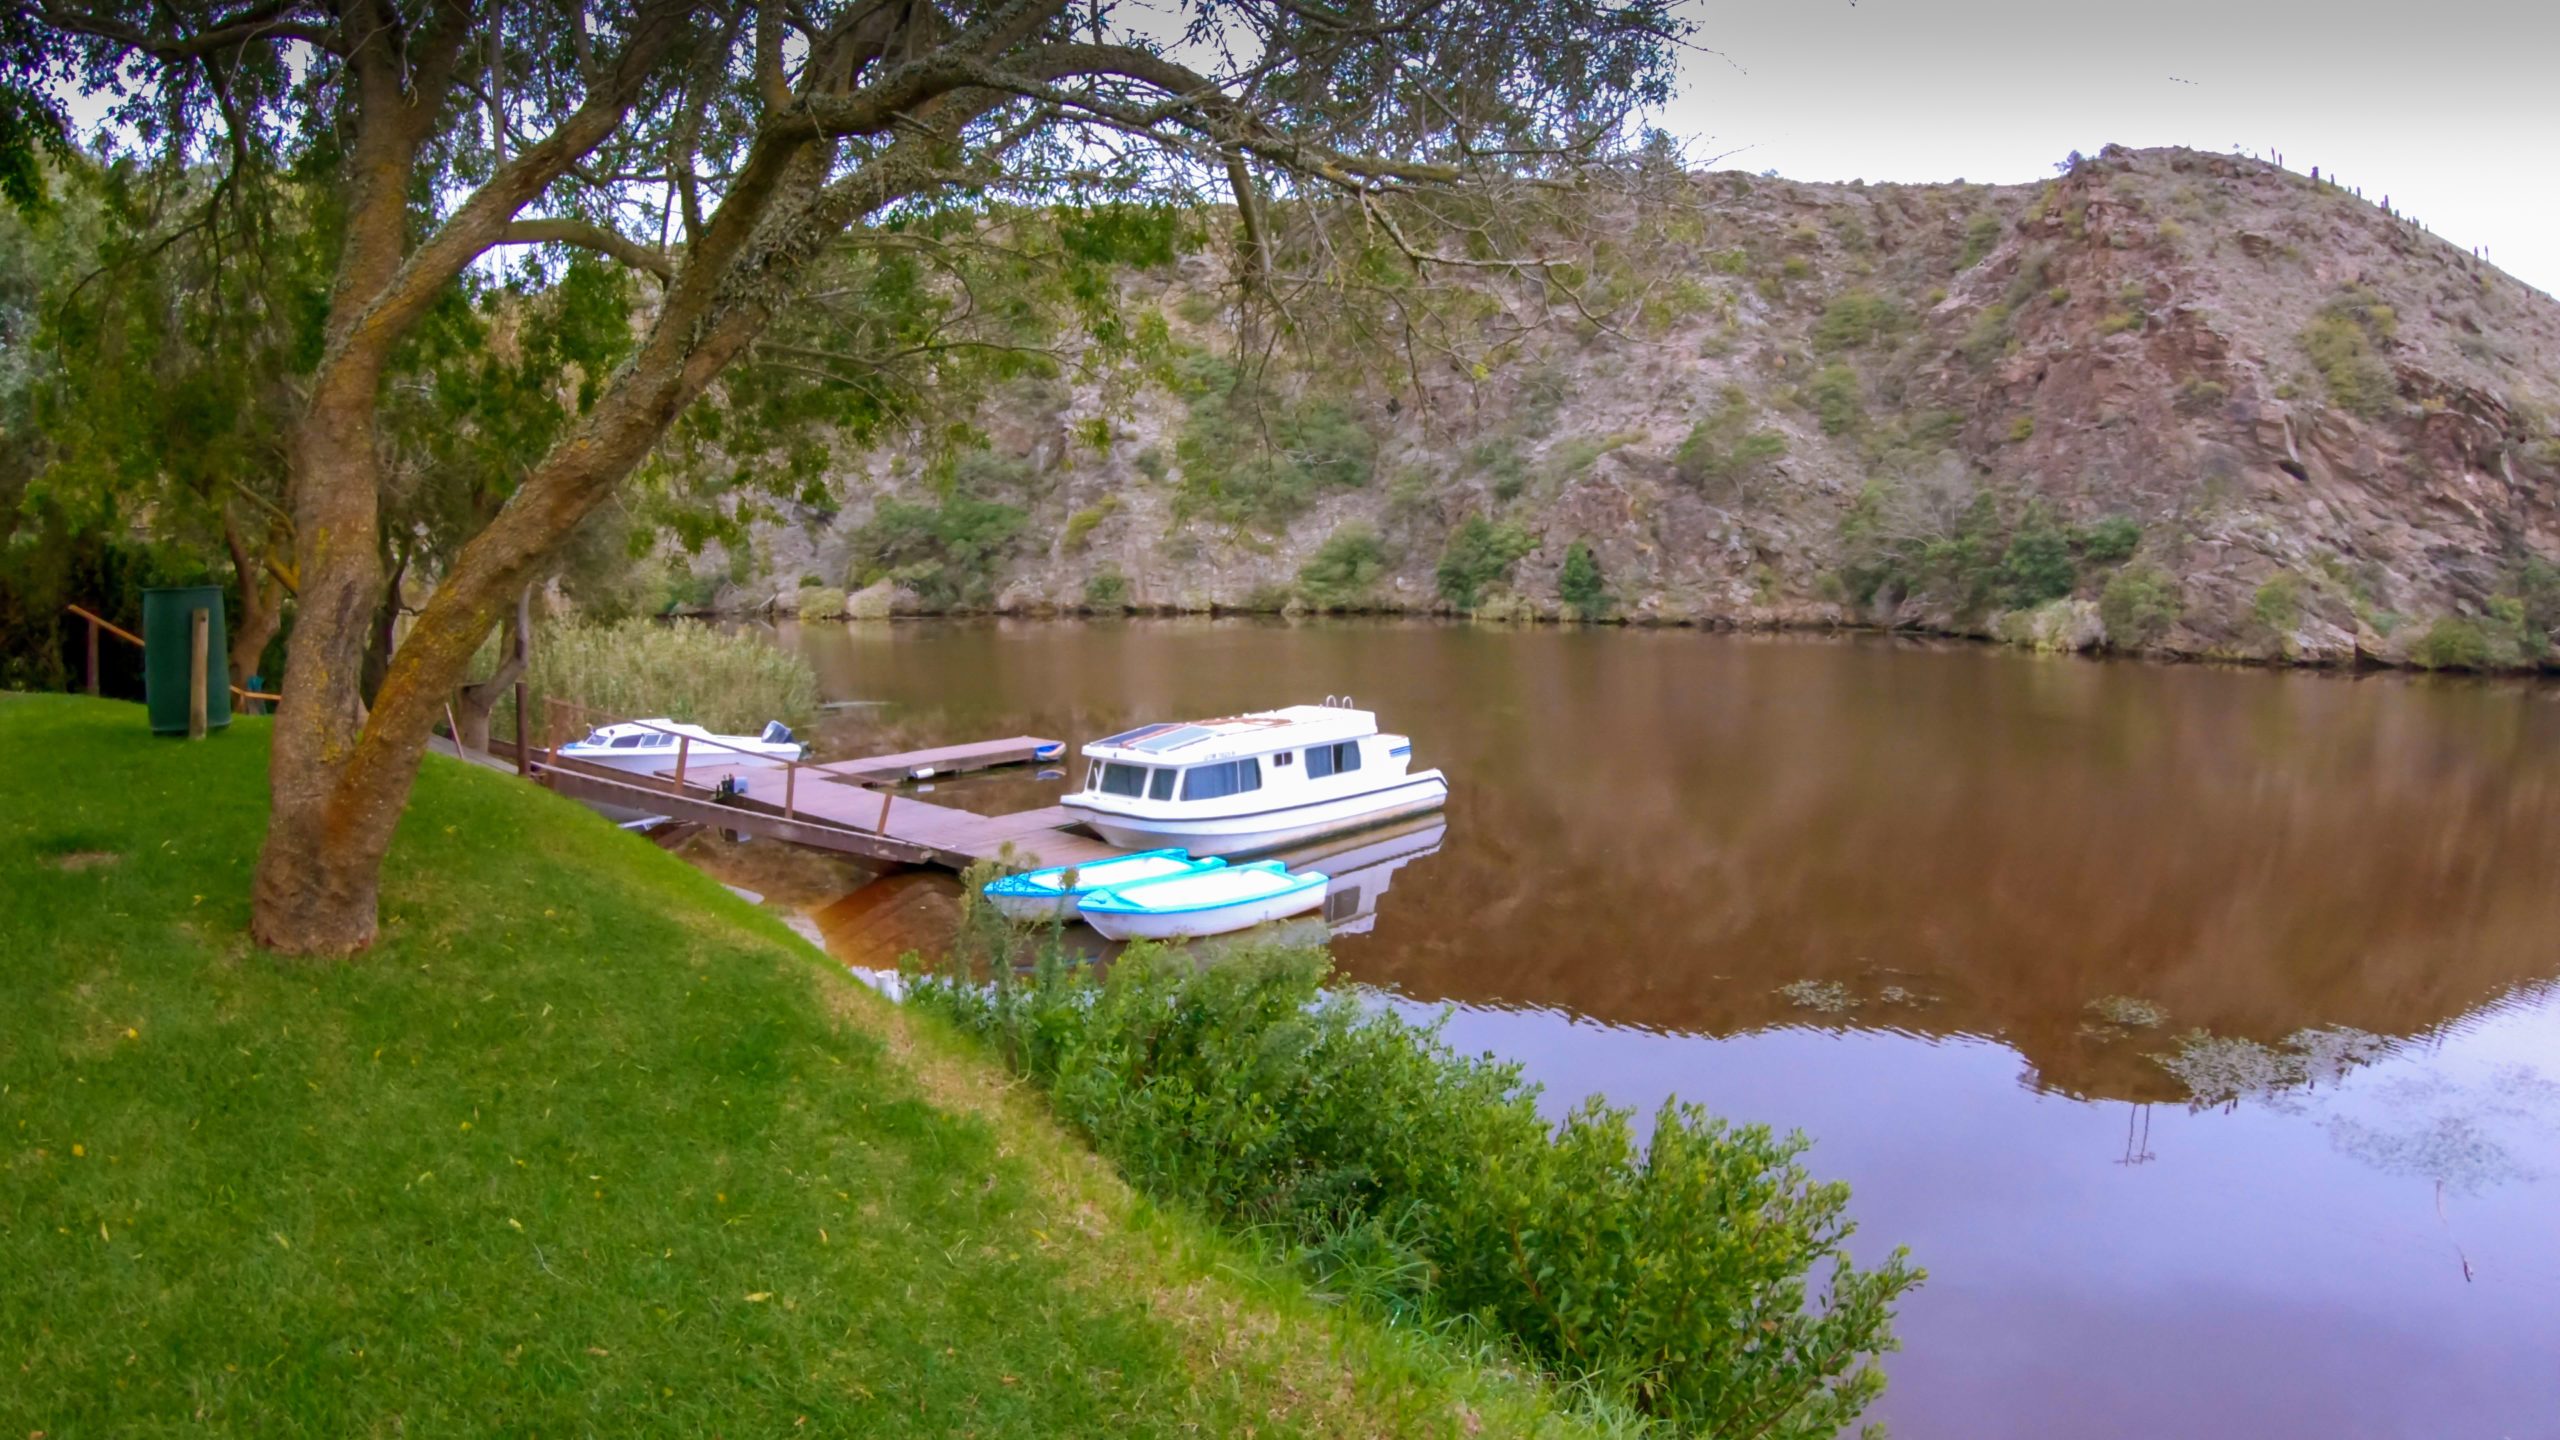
(1162,789)
(1211,782)
(1093,774)
(1285,757)
(655,741)
(626,742)
(1119,779)
(1141,733)
(1323,760)
(1175,739)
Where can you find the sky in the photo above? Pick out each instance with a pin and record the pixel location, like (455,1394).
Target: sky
(2450,107)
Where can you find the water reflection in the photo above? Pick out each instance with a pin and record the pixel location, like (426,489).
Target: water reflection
(1947,909)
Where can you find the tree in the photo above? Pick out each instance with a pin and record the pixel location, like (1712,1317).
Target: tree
(755,136)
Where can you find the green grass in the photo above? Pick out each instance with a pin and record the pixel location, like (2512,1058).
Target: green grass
(585,1145)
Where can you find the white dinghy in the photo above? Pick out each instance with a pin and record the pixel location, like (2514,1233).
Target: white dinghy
(646,747)
(1052,894)
(1207,902)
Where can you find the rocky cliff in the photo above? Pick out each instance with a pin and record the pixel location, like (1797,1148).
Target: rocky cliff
(2171,401)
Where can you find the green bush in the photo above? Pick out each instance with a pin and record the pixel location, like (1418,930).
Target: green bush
(1858,317)
(949,553)
(2036,564)
(2278,603)
(2138,606)
(1676,1277)
(1838,399)
(1480,553)
(1981,236)
(1081,524)
(820,602)
(1579,584)
(2111,541)
(639,669)
(2343,340)
(1344,572)
(1722,446)
(1106,589)
(2454,643)
(1251,458)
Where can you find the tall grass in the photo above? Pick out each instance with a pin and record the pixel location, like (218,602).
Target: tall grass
(683,670)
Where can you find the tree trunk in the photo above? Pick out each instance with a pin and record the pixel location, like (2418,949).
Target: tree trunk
(471,708)
(319,870)
(261,605)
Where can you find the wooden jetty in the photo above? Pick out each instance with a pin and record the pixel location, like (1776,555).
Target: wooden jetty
(834,806)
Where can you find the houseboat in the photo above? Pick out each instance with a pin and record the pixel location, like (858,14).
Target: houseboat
(1244,784)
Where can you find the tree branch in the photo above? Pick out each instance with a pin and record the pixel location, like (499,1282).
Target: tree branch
(586,236)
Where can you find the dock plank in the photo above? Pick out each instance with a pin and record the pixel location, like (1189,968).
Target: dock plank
(942,760)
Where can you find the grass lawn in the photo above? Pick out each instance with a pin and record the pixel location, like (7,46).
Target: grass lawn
(586,1145)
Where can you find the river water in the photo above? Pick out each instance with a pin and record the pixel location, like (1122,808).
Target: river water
(2197,1029)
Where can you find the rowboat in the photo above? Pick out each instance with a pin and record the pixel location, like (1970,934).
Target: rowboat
(1248,784)
(1206,902)
(1052,894)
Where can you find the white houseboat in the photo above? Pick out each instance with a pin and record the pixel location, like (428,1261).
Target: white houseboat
(1248,783)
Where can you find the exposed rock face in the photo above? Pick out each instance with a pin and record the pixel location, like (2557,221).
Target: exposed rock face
(2218,408)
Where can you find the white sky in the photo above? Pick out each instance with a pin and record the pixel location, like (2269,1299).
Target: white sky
(2450,107)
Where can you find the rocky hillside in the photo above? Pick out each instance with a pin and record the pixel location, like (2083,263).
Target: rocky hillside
(2172,401)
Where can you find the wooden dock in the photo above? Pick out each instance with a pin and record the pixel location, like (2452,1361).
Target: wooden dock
(829,808)
(944,760)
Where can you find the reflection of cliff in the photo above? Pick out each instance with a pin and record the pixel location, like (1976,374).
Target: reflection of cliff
(1666,828)
(1972,843)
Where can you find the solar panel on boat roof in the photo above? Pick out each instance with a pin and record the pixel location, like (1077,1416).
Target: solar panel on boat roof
(1125,736)
(1176,740)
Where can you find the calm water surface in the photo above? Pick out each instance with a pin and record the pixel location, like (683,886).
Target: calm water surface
(1941,909)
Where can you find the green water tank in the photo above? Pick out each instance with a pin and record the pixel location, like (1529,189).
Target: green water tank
(168,655)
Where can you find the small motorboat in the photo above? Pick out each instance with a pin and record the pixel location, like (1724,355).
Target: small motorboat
(1052,894)
(647,747)
(1246,784)
(1206,902)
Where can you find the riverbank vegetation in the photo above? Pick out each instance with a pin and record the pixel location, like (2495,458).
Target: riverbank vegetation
(691,672)
(584,1144)
(1670,1279)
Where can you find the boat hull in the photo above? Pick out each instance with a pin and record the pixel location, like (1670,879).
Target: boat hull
(1214,920)
(1233,835)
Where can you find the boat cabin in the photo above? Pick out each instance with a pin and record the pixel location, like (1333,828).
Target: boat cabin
(1303,750)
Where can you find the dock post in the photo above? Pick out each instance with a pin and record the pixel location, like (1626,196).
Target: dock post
(883,826)
(684,748)
(524,755)
(93,655)
(550,737)
(199,648)
(790,780)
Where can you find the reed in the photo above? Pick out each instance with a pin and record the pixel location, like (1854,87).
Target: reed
(729,681)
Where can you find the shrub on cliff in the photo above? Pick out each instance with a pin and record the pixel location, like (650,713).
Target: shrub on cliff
(1579,584)
(1480,553)
(1673,1275)
(1344,572)
(2139,605)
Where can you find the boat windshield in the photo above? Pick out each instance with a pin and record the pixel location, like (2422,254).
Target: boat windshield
(1119,779)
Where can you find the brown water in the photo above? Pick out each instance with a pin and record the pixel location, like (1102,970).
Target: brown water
(1940,908)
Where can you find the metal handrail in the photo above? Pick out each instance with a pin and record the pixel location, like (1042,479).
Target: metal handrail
(553,704)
